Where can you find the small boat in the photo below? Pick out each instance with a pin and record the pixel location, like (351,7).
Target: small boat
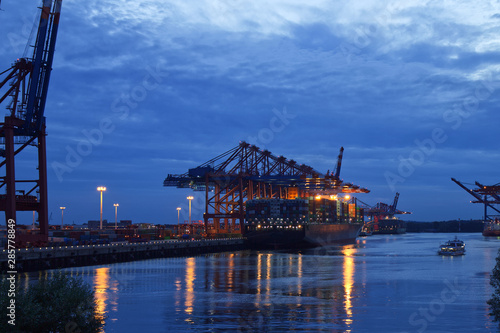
(454,247)
(366,231)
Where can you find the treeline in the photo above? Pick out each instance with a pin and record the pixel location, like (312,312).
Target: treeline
(445,226)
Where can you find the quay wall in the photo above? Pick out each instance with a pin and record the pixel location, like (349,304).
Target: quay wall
(35,259)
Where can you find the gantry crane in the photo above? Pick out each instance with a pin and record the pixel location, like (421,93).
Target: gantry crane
(384,211)
(381,217)
(246,172)
(488,195)
(27,82)
(335,175)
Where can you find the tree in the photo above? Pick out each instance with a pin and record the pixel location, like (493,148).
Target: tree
(494,302)
(58,304)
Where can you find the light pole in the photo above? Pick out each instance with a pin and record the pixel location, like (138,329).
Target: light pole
(62,216)
(101,189)
(190,198)
(116,215)
(178,221)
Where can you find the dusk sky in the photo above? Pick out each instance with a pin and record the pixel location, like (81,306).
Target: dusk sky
(142,89)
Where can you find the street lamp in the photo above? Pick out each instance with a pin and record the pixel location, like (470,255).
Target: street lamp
(101,189)
(178,221)
(116,215)
(190,198)
(62,216)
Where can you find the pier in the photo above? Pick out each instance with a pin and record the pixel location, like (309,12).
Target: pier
(35,259)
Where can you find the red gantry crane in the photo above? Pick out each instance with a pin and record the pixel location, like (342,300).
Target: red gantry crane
(247,172)
(488,195)
(383,212)
(26,83)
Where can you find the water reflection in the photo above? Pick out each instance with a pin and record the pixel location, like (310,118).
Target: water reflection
(348,270)
(258,290)
(101,286)
(339,289)
(189,281)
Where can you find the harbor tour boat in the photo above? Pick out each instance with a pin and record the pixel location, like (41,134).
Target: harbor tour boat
(454,247)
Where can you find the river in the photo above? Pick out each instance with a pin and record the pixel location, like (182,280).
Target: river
(384,283)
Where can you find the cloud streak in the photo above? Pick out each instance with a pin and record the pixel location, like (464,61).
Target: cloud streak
(371,77)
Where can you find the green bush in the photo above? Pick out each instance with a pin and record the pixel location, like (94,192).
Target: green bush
(494,302)
(59,304)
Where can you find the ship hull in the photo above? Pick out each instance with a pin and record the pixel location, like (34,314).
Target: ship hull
(394,231)
(390,227)
(492,229)
(491,233)
(311,235)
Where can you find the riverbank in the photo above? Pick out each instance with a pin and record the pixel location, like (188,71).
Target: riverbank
(445,226)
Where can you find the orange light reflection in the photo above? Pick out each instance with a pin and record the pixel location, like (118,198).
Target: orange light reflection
(268,277)
(348,270)
(259,280)
(101,285)
(299,280)
(189,279)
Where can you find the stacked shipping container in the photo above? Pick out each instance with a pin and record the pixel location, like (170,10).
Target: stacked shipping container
(302,210)
(276,210)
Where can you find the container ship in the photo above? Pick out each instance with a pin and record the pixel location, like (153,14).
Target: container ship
(301,222)
(492,228)
(389,226)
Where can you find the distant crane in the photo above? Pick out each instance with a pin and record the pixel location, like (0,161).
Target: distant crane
(27,82)
(392,208)
(382,210)
(336,174)
(488,195)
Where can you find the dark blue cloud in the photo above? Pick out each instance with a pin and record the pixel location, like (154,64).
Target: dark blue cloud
(179,88)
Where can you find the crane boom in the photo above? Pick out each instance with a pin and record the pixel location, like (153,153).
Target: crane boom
(479,198)
(42,66)
(28,81)
(339,164)
(392,208)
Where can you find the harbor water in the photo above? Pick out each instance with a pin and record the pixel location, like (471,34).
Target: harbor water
(384,283)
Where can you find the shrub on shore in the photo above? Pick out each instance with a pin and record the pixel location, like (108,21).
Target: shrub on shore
(494,302)
(58,304)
